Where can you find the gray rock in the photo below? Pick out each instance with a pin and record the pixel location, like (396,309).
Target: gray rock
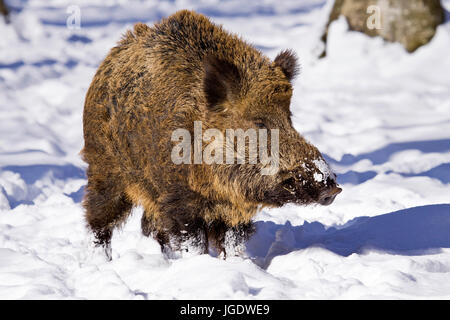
(4,10)
(412,23)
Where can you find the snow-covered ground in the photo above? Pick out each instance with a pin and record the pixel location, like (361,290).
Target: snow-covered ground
(380,115)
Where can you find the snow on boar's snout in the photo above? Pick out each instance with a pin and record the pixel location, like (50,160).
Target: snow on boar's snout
(311,182)
(296,191)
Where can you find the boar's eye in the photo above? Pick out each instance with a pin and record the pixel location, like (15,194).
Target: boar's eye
(289,185)
(260,124)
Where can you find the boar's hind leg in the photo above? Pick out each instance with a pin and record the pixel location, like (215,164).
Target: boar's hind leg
(104,211)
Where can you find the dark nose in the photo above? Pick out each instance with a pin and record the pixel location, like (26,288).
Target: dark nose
(327,197)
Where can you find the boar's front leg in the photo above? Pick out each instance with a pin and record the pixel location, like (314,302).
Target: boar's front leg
(180,219)
(157,228)
(229,240)
(185,215)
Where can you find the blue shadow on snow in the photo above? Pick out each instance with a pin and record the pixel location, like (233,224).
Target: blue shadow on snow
(412,231)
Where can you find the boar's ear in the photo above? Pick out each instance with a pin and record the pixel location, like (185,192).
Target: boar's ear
(221,81)
(287,61)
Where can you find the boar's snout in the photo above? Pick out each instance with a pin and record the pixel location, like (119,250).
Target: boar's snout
(328,195)
(300,190)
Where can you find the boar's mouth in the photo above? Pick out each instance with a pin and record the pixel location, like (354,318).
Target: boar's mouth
(298,191)
(288,191)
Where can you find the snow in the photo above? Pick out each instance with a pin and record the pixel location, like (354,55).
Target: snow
(379,115)
(324,170)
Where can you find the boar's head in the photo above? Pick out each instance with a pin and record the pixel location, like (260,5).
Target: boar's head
(258,96)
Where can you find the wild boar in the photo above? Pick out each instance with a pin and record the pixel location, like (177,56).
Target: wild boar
(185,70)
